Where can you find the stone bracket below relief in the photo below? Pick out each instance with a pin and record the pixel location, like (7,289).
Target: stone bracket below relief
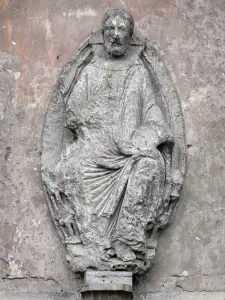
(108,281)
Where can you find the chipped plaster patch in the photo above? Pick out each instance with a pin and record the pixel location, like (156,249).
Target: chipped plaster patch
(35,223)
(87,12)
(14,270)
(71,13)
(17,75)
(48,29)
(185,273)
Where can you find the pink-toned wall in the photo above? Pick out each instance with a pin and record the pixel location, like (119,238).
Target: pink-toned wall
(37,38)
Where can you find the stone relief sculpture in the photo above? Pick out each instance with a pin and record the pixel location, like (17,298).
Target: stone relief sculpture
(113,150)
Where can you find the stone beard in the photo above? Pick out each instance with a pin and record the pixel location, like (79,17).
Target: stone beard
(114,179)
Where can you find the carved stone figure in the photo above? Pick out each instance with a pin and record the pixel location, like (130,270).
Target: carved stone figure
(113,150)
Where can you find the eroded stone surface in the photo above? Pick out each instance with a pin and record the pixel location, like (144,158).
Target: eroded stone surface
(113,150)
(37,39)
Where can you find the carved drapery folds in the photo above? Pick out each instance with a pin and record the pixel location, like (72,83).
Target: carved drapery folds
(113,150)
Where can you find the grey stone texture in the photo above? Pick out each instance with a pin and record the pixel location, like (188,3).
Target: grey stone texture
(101,277)
(113,155)
(107,285)
(37,39)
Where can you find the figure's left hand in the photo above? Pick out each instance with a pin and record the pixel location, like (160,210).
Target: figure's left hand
(130,149)
(126,147)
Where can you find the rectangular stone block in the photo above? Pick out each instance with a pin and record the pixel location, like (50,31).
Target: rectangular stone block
(106,277)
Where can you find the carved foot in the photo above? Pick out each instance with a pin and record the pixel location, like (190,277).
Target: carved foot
(124,252)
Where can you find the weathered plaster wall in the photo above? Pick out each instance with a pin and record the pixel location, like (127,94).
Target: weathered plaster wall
(36,40)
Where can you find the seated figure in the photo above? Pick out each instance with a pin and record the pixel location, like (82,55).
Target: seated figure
(114,178)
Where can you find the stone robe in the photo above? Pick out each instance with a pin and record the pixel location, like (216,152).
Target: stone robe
(114,174)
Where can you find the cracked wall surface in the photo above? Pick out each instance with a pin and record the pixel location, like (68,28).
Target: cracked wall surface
(37,38)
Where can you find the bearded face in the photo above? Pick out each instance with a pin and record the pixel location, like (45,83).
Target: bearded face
(116,35)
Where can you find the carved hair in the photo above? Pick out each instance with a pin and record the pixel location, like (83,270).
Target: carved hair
(123,13)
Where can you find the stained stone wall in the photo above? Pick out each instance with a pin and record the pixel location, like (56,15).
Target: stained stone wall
(36,40)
